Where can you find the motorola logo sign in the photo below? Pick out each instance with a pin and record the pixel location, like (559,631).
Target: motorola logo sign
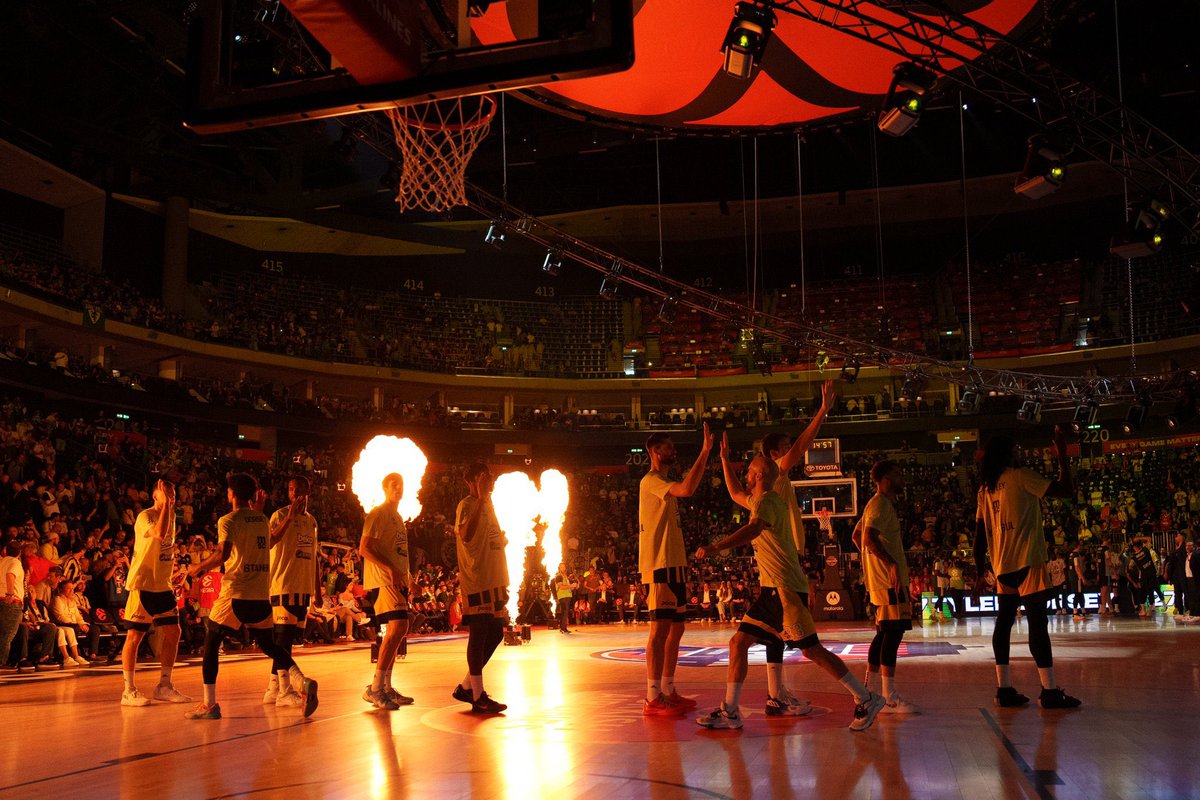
(833,598)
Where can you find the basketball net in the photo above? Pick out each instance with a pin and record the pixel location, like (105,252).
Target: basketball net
(436,141)
(825,519)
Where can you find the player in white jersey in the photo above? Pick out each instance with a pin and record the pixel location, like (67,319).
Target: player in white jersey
(483,583)
(1008,527)
(384,549)
(788,453)
(151,598)
(885,573)
(243,547)
(662,561)
(780,616)
(294,583)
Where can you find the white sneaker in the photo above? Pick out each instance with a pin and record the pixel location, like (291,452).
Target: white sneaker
(720,719)
(134,697)
(866,711)
(289,699)
(75,662)
(169,694)
(272,694)
(896,704)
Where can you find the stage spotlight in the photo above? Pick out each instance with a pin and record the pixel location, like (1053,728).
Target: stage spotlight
(850,371)
(1142,235)
(1135,417)
(914,383)
(1030,411)
(905,98)
(970,401)
(553,263)
(668,312)
(1044,171)
(1085,416)
(746,40)
(608,286)
(496,234)
(1184,411)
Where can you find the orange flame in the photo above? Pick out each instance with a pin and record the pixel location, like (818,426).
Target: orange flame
(382,456)
(520,507)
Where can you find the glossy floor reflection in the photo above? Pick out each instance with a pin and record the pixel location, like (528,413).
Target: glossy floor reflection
(575,730)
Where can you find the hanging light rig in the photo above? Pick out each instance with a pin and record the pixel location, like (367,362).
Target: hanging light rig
(746,40)
(905,98)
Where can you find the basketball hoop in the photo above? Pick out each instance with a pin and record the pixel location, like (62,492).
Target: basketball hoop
(436,141)
(824,519)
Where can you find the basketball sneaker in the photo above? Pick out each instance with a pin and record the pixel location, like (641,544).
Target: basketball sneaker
(134,697)
(202,711)
(898,705)
(379,699)
(720,719)
(660,707)
(396,697)
(271,695)
(486,705)
(462,694)
(791,699)
(309,690)
(1057,698)
(681,702)
(1008,697)
(866,711)
(777,707)
(289,699)
(169,694)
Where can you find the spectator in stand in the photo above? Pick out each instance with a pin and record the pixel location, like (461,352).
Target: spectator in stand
(12,584)
(66,615)
(1058,581)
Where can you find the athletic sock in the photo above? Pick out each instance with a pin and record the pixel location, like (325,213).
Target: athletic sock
(888,685)
(282,681)
(387,678)
(653,689)
(210,694)
(1003,678)
(296,675)
(477,686)
(869,680)
(775,681)
(668,685)
(854,687)
(733,694)
(129,687)
(164,676)
(1047,676)
(377,681)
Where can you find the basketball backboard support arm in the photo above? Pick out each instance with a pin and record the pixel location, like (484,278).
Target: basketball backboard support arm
(215,104)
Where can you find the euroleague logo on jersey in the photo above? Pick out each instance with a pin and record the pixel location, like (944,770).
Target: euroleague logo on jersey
(833,598)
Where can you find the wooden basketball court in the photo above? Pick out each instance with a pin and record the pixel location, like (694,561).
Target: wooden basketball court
(574,727)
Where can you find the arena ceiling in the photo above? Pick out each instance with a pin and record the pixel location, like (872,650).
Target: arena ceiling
(96,87)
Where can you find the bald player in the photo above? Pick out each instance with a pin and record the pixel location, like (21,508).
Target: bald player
(294,583)
(384,549)
(787,454)
(662,561)
(780,616)
(151,598)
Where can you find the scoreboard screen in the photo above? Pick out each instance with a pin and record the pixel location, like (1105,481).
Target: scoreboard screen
(823,459)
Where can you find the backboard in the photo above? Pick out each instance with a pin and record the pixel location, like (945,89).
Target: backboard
(254,64)
(838,495)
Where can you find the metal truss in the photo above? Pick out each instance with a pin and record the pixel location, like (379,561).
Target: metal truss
(1002,69)
(1050,390)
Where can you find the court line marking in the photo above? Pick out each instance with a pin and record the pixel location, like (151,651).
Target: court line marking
(1039,778)
(690,788)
